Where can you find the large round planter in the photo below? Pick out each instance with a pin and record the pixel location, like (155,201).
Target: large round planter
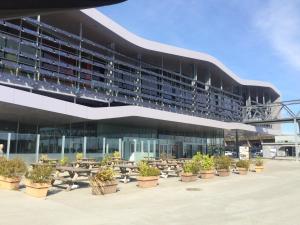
(103,188)
(223,172)
(207,174)
(242,171)
(259,169)
(36,189)
(188,177)
(147,182)
(10,183)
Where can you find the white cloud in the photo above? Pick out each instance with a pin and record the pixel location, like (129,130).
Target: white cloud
(279,22)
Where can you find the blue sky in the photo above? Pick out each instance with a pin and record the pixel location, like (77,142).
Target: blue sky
(256,39)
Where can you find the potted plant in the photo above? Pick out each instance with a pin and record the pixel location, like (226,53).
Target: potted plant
(79,156)
(222,164)
(64,161)
(207,167)
(104,182)
(116,155)
(190,172)
(106,161)
(38,181)
(148,176)
(43,158)
(242,166)
(11,172)
(259,165)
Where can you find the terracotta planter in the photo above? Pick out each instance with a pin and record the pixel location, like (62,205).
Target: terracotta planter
(242,171)
(188,177)
(10,183)
(36,189)
(207,174)
(223,172)
(259,169)
(147,182)
(108,187)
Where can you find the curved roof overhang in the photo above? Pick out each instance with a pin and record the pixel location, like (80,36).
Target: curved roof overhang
(26,105)
(168,49)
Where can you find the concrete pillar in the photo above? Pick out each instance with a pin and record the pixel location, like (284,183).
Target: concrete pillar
(37,148)
(63,141)
(135,143)
(142,146)
(148,148)
(120,146)
(8,145)
(103,146)
(237,143)
(84,147)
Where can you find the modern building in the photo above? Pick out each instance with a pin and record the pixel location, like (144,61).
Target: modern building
(77,81)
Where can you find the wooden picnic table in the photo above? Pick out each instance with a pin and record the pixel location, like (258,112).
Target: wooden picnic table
(88,160)
(52,161)
(167,169)
(85,164)
(74,175)
(127,171)
(33,165)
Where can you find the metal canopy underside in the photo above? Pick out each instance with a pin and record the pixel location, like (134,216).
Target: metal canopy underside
(19,8)
(11,112)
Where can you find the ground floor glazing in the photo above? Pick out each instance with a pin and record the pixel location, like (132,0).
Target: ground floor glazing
(98,138)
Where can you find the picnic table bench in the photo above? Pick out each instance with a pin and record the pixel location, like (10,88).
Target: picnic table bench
(86,164)
(167,169)
(127,171)
(70,176)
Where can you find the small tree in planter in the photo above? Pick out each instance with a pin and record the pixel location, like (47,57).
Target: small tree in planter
(104,182)
(11,172)
(190,171)
(106,161)
(259,165)
(79,156)
(116,155)
(222,164)
(207,167)
(148,176)
(64,161)
(38,181)
(243,166)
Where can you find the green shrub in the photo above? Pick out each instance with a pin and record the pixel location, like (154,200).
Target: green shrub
(79,156)
(222,162)
(40,174)
(147,171)
(104,175)
(191,167)
(243,164)
(12,168)
(64,161)
(198,157)
(259,161)
(117,154)
(43,157)
(3,162)
(106,160)
(207,163)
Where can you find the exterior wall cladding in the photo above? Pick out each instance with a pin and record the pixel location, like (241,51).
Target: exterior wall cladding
(58,63)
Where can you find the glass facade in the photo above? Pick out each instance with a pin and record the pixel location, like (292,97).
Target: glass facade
(97,139)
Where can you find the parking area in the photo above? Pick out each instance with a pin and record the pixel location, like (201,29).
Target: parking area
(271,197)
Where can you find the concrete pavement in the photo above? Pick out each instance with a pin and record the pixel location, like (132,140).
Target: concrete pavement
(272,197)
